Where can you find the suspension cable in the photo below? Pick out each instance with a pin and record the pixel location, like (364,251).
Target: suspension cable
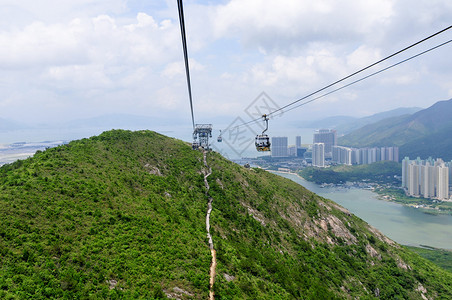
(361,70)
(184,45)
(368,76)
(340,88)
(353,74)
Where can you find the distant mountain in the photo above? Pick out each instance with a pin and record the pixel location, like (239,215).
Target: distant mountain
(7,125)
(346,124)
(423,133)
(330,122)
(356,124)
(438,144)
(115,121)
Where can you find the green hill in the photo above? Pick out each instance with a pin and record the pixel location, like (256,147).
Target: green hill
(381,172)
(424,133)
(122,216)
(437,144)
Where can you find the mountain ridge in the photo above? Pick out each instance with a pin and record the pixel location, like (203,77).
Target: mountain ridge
(346,124)
(122,215)
(427,127)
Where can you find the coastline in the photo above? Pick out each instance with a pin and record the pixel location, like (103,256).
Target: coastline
(389,197)
(399,235)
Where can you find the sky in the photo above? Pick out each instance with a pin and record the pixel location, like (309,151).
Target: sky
(72,59)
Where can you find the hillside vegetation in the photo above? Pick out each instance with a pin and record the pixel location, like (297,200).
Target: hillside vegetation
(122,216)
(441,257)
(413,133)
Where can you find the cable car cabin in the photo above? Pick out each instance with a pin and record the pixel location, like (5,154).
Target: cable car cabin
(220,138)
(262,143)
(195,145)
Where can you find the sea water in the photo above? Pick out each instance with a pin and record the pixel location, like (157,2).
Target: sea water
(405,225)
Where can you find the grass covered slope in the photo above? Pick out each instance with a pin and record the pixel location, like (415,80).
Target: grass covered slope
(122,215)
(123,210)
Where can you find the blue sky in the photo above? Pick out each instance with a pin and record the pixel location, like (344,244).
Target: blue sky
(63,60)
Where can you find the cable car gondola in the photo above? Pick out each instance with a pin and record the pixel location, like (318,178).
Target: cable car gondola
(263,141)
(220,138)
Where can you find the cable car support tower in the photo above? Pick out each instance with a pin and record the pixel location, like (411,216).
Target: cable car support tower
(201,135)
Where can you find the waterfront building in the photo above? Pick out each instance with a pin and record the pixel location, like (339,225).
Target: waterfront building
(356,159)
(318,155)
(364,155)
(279,147)
(428,179)
(413,180)
(405,163)
(442,175)
(342,155)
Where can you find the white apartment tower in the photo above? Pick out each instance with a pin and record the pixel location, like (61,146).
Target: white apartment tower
(280,147)
(298,141)
(327,137)
(442,175)
(413,180)
(428,179)
(318,155)
(405,163)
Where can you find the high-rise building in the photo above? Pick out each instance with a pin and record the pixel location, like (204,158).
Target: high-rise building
(279,147)
(429,179)
(318,155)
(356,159)
(431,188)
(301,151)
(413,182)
(405,163)
(327,137)
(298,141)
(292,151)
(342,155)
(364,155)
(390,153)
(424,180)
(442,175)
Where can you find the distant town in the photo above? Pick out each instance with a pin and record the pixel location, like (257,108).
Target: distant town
(322,153)
(428,179)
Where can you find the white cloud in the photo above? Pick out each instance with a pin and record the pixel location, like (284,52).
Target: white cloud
(289,25)
(98,55)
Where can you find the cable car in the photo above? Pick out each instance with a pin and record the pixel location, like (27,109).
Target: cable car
(220,138)
(263,141)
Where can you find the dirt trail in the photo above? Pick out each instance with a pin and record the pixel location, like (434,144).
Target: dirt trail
(213,265)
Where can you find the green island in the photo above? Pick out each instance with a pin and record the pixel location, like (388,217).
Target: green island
(122,216)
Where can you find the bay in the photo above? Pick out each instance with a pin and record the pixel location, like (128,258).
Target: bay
(405,225)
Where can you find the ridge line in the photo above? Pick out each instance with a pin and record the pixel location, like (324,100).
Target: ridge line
(213,264)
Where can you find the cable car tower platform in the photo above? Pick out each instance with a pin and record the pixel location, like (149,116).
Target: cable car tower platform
(203,132)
